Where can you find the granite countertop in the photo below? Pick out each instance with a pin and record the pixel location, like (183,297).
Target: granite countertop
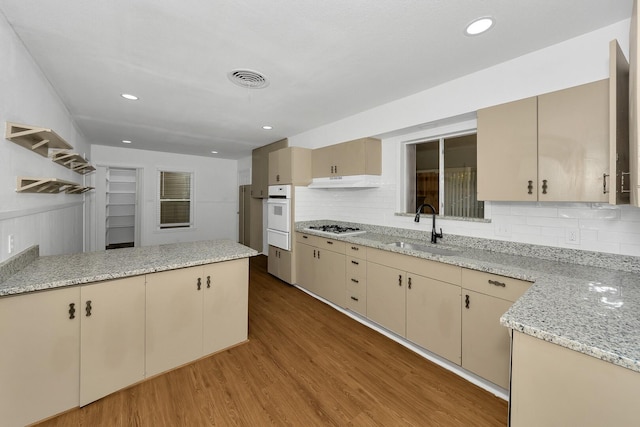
(591,309)
(64,270)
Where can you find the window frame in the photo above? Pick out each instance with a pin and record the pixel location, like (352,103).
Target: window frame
(177,226)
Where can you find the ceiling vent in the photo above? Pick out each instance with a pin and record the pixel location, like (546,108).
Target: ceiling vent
(248,78)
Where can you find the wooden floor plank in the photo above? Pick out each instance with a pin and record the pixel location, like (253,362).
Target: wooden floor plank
(305,364)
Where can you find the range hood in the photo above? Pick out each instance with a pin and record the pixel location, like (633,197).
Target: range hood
(352,181)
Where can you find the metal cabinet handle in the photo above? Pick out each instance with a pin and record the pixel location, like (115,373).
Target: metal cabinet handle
(314,253)
(318,253)
(604,183)
(355,262)
(399,279)
(278,178)
(329,242)
(544,186)
(355,281)
(331,169)
(72,311)
(208,281)
(409,282)
(466,301)
(496,283)
(354,298)
(530,187)
(199,284)
(305,237)
(88,308)
(336,168)
(622,175)
(355,248)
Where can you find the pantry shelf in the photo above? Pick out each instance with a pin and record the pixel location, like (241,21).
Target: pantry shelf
(34,138)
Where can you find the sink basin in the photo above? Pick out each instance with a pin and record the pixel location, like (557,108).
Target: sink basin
(432,249)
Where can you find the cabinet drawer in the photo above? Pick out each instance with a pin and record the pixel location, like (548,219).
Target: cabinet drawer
(356,251)
(503,287)
(423,267)
(330,245)
(307,239)
(357,298)
(356,268)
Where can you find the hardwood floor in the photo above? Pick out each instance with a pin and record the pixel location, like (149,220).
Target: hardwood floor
(305,365)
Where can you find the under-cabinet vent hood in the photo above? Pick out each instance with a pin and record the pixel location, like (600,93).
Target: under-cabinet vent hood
(353,181)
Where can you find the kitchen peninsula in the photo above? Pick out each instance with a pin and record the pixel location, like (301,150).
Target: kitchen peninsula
(84,325)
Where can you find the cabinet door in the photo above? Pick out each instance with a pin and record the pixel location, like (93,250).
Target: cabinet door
(618,180)
(508,152)
(386,299)
(226,296)
(573,143)
(173,319)
(433,316)
(259,179)
(323,161)
(40,356)
(274,168)
(351,159)
(634,107)
(305,266)
(330,273)
(112,337)
(485,343)
(273,264)
(285,268)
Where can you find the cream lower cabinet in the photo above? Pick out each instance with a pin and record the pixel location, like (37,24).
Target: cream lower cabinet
(486,343)
(305,263)
(226,298)
(279,264)
(112,350)
(555,386)
(182,324)
(386,297)
(40,356)
(356,278)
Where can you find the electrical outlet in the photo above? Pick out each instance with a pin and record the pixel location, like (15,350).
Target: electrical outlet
(10,244)
(572,236)
(502,229)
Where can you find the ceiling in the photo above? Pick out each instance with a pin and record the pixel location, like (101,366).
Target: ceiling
(324,60)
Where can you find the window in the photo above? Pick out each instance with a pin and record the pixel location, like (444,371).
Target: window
(444,172)
(175,201)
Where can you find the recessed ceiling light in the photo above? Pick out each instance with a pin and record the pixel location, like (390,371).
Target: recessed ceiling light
(126,141)
(214,152)
(267,127)
(129,96)
(479,26)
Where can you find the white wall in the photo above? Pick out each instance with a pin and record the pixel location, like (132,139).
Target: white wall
(581,60)
(54,221)
(215,187)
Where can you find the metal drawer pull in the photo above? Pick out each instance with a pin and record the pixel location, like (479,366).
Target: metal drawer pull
(354,298)
(409,284)
(399,279)
(208,281)
(355,248)
(355,281)
(329,242)
(530,187)
(72,311)
(355,262)
(88,308)
(314,253)
(199,284)
(544,186)
(305,237)
(496,283)
(466,301)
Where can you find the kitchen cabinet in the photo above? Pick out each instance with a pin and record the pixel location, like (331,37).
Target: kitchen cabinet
(321,266)
(112,350)
(279,264)
(634,103)
(260,168)
(358,157)
(290,165)
(486,343)
(356,278)
(558,145)
(553,385)
(182,324)
(386,297)
(226,298)
(40,360)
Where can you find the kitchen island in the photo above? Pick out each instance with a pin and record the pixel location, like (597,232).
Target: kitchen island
(75,328)
(584,303)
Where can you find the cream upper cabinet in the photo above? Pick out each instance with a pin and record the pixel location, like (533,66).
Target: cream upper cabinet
(260,168)
(358,157)
(290,165)
(634,111)
(508,151)
(619,181)
(112,336)
(486,343)
(40,356)
(226,297)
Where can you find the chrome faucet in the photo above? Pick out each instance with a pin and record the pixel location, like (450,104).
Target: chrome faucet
(434,234)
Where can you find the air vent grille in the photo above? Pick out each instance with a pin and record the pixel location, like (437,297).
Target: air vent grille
(248,79)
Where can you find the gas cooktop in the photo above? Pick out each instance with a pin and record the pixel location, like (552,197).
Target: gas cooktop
(334,229)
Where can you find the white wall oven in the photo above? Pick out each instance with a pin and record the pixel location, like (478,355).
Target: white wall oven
(279,216)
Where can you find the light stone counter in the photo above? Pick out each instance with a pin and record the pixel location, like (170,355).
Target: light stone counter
(65,270)
(586,301)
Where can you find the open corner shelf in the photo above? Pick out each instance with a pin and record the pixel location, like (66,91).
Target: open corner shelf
(73,161)
(34,138)
(49,186)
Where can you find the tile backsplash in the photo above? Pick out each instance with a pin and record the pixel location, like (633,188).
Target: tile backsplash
(585,226)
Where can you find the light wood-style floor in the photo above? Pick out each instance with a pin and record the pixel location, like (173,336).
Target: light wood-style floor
(305,365)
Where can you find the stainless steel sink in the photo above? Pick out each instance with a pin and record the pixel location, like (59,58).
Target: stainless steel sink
(432,249)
